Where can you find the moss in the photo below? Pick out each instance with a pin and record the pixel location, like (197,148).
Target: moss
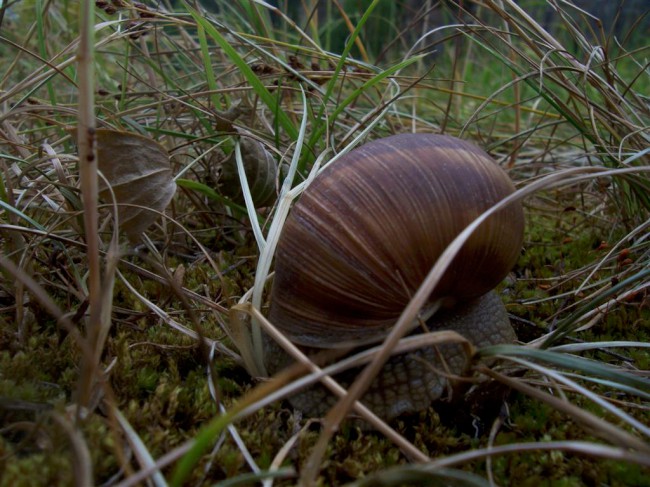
(158,380)
(39,469)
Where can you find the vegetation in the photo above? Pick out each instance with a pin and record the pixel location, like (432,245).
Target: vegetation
(119,358)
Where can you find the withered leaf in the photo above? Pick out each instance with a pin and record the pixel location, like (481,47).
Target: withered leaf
(139,172)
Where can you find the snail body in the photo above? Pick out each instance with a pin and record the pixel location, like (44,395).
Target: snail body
(362,238)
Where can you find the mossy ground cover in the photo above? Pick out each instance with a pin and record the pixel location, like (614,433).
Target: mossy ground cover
(159,382)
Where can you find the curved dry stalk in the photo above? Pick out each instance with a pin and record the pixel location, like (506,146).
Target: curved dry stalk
(409,449)
(83,465)
(593,424)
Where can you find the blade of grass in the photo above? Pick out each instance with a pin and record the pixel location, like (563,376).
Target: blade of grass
(207,68)
(592,423)
(248,199)
(21,215)
(574,386)
(210,193)
(42,45)
(581,447)
(140,449)
(259,88)
(568,324)
(573,362)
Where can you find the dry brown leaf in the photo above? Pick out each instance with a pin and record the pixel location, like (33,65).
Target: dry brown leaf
(139,172)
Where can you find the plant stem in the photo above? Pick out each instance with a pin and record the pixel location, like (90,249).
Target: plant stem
(88,176)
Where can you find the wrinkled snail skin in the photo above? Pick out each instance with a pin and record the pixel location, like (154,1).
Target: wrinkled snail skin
(411,381)
(362,238)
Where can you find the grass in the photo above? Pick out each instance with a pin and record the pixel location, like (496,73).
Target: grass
(119,361)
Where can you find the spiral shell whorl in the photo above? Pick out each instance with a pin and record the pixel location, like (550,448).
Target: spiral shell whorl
(363,236)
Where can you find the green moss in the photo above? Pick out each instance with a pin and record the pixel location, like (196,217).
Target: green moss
(39,469)
(159,382)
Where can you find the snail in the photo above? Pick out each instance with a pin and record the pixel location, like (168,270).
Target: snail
(261,171)
(360,241)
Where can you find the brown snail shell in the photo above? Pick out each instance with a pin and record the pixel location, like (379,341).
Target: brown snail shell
(261,173)
(365,233)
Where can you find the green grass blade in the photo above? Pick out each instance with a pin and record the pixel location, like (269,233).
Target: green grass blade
(371,83)
(565,326)
(259,88)
(210,193)
(567,361)
(21,215)
(202,441)
(209,73)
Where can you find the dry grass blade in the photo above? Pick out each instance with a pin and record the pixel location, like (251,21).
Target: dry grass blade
(579,447)
(592,423)
(82,460)
(141,452)
(89,192)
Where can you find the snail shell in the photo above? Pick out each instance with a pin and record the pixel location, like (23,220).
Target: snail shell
(366,232)
(261,172)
